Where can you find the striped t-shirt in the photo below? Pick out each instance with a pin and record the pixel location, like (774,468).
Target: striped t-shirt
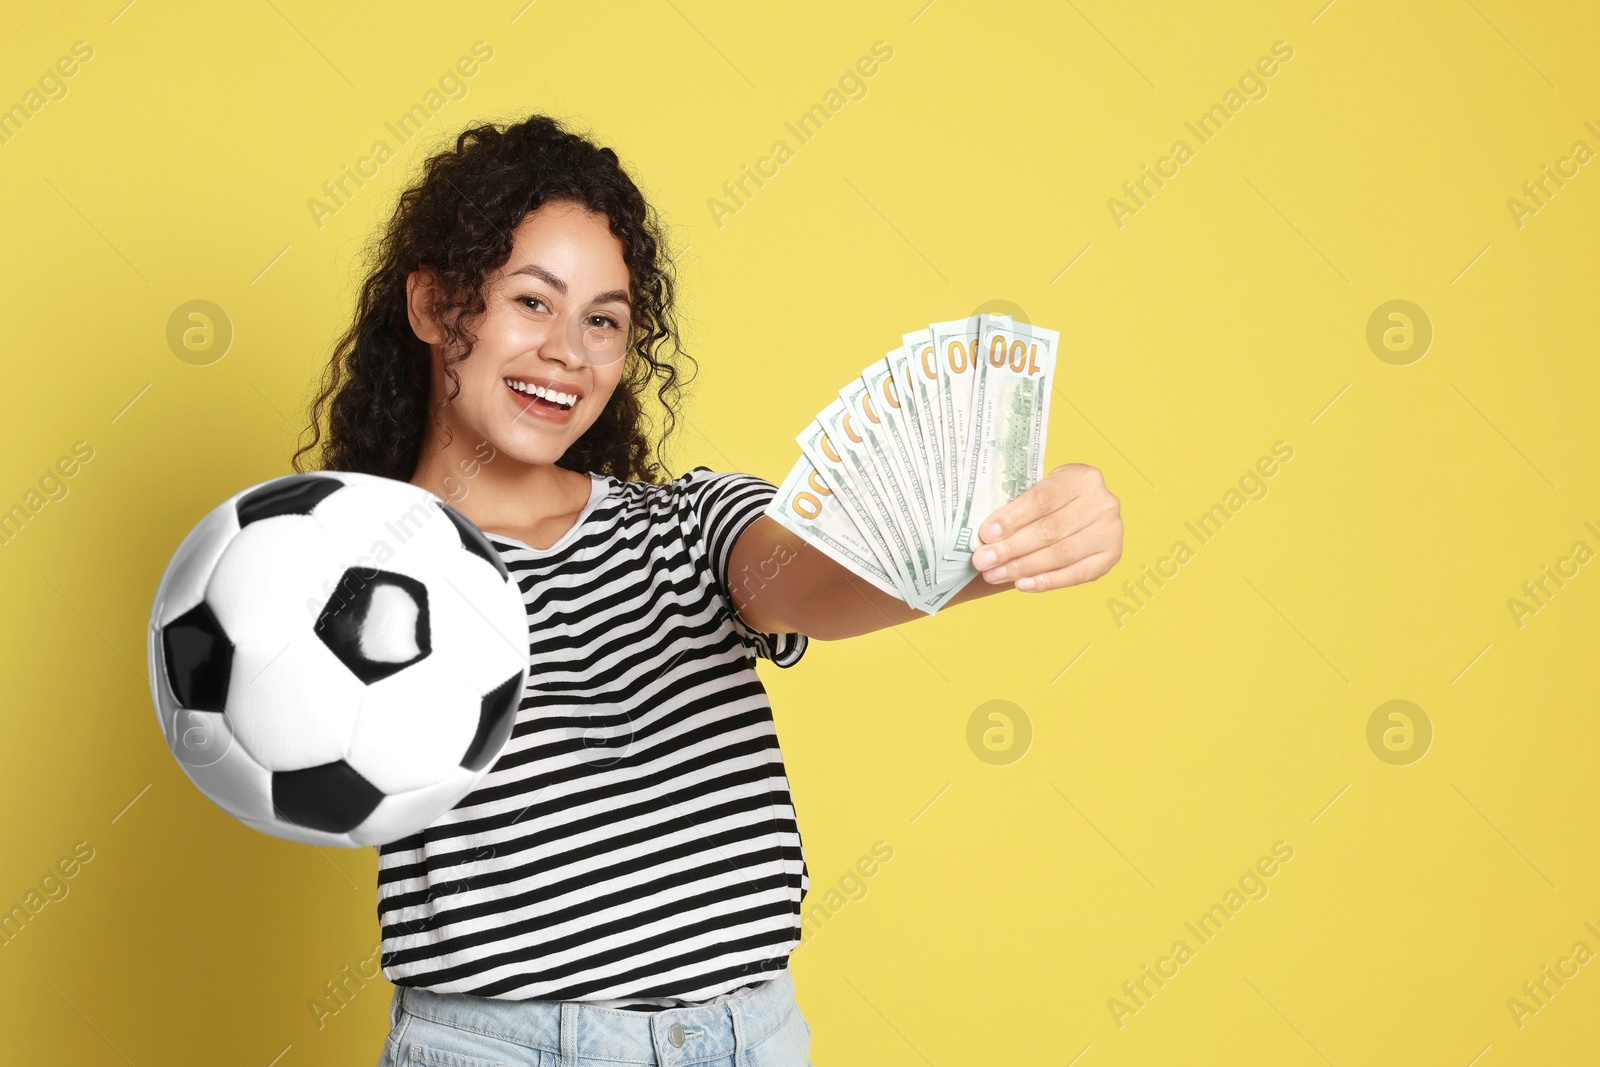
(635,842)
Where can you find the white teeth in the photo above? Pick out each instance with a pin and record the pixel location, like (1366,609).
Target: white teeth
(567,399)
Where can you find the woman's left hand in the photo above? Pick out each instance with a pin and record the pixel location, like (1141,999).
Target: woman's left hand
(1064,530)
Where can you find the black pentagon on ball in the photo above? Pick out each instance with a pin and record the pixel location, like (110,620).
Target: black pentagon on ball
(198,658)
(295,495)
(333,797)
(496,716)
(350,629)
(473,541)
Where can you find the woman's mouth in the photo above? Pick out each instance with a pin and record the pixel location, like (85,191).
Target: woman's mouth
(541,402)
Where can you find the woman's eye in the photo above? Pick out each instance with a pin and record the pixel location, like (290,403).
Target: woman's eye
(604,320)
(532,300)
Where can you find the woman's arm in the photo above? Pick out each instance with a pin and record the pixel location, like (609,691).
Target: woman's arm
(1064,530)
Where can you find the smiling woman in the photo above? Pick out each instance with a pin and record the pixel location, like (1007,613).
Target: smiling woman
(520,305)
(468,252)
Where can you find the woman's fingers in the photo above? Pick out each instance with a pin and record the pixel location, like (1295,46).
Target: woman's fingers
(1051,493)
(1079,571)
(1067,516)
(1050,539)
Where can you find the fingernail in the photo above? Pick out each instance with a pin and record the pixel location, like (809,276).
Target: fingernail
(984,557)
(1024,583)
(990,532)
(996,575)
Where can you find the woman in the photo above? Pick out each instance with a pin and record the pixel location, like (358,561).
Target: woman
(625,884)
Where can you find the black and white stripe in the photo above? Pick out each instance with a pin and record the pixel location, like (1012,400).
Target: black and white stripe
(635,843)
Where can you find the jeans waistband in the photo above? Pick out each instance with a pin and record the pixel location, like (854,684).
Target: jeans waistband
(668,1036)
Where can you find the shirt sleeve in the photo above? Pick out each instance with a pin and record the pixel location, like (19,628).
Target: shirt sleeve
(720,505)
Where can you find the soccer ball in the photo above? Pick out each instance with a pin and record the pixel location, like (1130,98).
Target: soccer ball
(337,658)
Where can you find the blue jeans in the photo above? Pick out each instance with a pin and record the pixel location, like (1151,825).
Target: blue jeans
(758,1027)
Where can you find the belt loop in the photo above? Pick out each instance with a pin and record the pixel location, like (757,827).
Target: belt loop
(569,1033)
(735,1010)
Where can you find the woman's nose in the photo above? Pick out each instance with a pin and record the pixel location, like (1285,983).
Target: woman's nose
(562,345)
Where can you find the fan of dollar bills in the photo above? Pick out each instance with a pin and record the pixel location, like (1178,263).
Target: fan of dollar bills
(898,473)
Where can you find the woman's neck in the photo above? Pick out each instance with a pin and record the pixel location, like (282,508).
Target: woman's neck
(502,494)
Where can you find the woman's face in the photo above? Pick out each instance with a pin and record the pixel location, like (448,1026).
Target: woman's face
(555,315)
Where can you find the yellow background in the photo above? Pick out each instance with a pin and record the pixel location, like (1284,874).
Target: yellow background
(1228,313)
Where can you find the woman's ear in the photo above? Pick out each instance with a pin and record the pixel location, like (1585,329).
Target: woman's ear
(422,296)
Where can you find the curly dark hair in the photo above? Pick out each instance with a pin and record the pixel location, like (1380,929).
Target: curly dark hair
(458,219)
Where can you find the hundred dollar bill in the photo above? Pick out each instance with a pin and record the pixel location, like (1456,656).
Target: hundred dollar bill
(954,343)
(860,443)
(808,506)
(945,591)
(924,361)
(887,424)
(816,444)
(929,592)
(1010,417)
(906,423)
(956,347)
